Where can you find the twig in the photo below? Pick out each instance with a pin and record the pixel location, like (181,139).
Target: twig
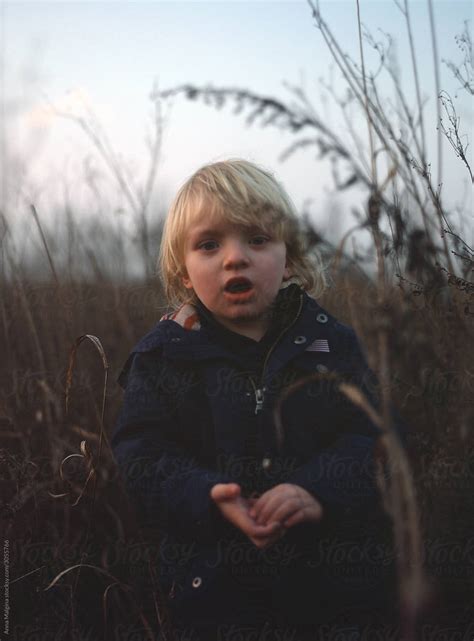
(366,103)
(452,133)
(45,245)
(417,83)
(434,43)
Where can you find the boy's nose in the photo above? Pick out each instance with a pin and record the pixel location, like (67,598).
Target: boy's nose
(236,255)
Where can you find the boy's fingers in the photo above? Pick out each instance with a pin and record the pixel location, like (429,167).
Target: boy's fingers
(270,510)
(251,529)
(223,491)
(266,504)
(281,502)
(263,542)
(297,517)
(318,510)
(262,531)
(261,502)
(305,514)
(265,512)
(309,510)
(235,510)
(285,510)
(260,536)
(252,501)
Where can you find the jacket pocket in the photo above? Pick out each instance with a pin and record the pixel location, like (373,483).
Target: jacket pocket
(201,593)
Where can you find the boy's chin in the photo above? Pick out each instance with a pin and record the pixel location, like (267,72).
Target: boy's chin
(245,311)
(250,316)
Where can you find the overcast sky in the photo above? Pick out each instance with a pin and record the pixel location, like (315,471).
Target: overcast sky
(108,55)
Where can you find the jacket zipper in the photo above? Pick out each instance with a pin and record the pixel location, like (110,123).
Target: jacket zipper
(260,391)
(258,397)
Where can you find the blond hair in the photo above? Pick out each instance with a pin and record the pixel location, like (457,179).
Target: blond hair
(245,194)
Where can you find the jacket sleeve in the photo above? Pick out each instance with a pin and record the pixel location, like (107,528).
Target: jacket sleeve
(171,490)
(343,475)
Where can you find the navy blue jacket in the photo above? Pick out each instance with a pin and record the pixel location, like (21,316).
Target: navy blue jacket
(197,413)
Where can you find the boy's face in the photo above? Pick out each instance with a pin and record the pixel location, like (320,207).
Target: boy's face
(236,272)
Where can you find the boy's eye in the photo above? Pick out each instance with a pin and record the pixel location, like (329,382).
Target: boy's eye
(259,240)
(207,245)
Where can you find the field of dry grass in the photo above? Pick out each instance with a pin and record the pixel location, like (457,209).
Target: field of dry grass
(56,515)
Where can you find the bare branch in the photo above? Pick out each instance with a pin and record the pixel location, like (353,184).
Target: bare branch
(452,132)
(464,72)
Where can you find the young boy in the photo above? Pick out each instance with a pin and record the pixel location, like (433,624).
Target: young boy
(233,438)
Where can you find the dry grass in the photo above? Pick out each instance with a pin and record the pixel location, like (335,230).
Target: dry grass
(56,519)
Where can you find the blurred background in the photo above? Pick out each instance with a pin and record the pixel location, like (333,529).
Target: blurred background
(65,65)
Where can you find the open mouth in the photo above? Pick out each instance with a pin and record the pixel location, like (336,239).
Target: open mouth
(238,285)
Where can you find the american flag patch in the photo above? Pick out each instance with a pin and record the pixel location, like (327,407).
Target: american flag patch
(319,345)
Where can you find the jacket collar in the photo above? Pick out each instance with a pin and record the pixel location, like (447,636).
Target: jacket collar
(181,335)
(189,316)
(186,316)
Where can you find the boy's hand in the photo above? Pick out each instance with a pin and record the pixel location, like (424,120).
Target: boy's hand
(235,509)
(288,504)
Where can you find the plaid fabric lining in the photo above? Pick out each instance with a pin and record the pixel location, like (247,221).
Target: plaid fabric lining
(186,316)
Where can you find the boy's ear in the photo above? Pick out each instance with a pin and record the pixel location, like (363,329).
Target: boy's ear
(286,272)
(186,281)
